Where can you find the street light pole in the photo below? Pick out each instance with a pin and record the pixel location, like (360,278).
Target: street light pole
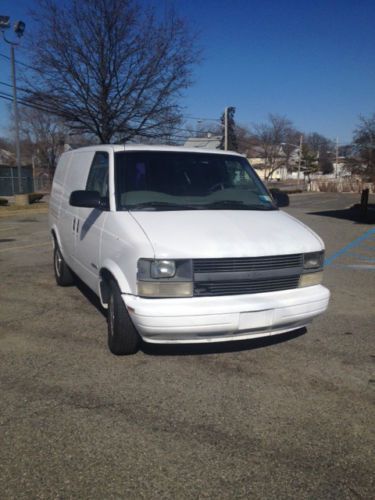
(19,29)
(299,159)
(16,120)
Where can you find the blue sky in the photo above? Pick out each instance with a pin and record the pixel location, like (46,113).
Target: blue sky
(312,61)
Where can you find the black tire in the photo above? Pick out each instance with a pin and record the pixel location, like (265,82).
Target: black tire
(63,274)
(123,337)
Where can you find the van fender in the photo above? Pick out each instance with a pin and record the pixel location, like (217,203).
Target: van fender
(110,269)
(55,236)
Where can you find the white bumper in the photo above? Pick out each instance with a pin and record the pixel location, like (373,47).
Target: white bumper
(218,319)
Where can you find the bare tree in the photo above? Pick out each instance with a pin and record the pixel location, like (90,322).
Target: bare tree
(363,160)
(276,140)
(245,139)
(43,137)
(111,69)
(323,150)
(310,160)
(5,144)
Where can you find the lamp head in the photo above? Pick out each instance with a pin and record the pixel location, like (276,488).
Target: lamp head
(4,22)
(19,28)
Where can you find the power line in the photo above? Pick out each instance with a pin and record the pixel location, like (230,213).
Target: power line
(180,129)
(18,88)
(189,117)
(8,97)
(21,101)
(45,109)
(202,119)
(21,63)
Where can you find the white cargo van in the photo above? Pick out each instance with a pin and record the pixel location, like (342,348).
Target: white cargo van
(182,246)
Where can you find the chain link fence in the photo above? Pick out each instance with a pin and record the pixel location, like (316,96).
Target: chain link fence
(9,184)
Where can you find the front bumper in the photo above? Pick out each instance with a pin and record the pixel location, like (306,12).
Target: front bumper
(219,319)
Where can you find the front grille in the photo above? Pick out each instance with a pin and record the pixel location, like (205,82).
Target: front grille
(247,263)
(216,288)
(246,275)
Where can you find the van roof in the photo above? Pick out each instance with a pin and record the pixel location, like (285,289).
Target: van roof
(149,147)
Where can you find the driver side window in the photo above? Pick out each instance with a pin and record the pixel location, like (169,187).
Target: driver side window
(98,175)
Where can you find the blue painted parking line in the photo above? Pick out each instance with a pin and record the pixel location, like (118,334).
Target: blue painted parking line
(353,244)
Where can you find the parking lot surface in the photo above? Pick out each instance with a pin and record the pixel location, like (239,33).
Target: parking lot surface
(289,417)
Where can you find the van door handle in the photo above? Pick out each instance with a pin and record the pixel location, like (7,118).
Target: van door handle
(74,224)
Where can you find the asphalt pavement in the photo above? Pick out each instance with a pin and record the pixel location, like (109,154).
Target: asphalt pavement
(289,417)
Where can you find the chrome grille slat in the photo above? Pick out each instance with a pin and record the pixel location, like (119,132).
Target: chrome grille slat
(244,287)
(210,275)
(247,263)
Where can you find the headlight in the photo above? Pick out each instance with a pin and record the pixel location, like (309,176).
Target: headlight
(312,269)
(165,278)
(163,268)
(313,260)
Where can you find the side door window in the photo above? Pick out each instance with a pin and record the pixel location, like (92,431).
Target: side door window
(98,175)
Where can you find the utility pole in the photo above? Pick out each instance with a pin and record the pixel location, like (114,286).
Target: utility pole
(337,156)
(299,158)
(226,129)
(33,166)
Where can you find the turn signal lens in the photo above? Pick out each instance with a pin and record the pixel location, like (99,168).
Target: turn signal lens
(310,279)
(162,290)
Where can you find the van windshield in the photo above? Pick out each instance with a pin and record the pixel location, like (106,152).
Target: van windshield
(156,181)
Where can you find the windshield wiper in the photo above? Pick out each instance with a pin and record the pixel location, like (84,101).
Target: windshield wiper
(216,205)
(237,205)
(159,205)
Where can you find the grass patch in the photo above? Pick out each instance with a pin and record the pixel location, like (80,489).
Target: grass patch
(13,209)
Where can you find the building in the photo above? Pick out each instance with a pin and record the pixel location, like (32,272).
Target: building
(261,160)
(209,142)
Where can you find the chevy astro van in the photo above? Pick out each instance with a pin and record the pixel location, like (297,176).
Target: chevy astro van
(182,246)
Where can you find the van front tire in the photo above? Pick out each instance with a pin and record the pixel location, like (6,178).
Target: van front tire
(63,274)
(123,337)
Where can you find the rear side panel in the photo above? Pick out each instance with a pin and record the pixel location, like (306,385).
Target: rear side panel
(57,192)
(70,176)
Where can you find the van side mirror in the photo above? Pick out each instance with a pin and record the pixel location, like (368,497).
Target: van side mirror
(88,199)
(281,199)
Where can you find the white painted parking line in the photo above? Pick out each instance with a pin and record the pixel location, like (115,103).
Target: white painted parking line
(370,267)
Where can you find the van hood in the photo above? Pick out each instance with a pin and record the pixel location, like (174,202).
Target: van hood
(225,233)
